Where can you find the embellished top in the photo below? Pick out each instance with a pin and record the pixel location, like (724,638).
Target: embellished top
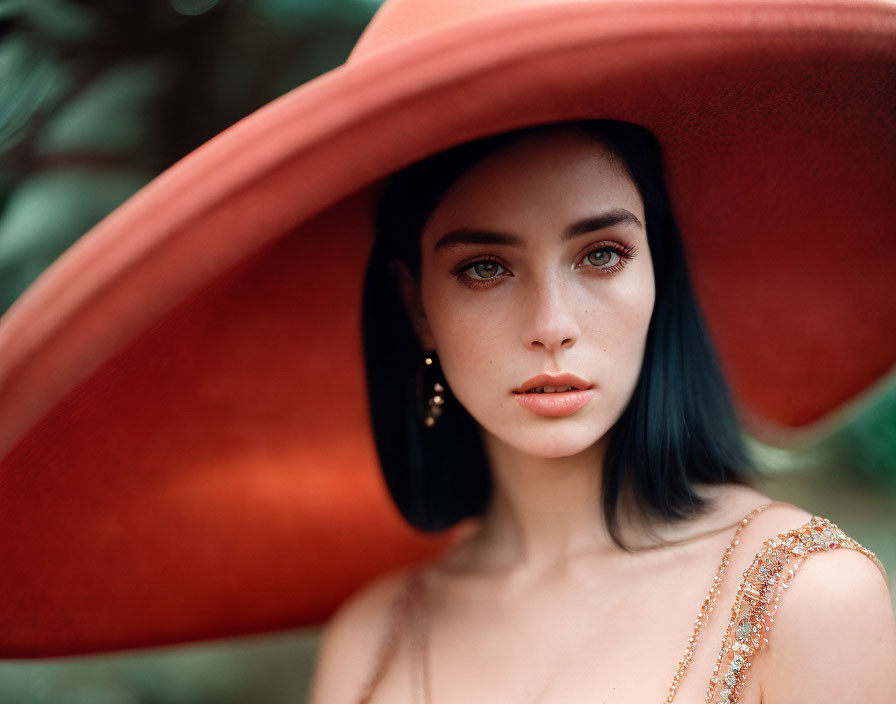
(760,591)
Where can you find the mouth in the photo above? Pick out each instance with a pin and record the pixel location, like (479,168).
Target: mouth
(554,394)
(553,383)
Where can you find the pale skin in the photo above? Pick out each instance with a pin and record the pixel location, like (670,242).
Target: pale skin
(538,604)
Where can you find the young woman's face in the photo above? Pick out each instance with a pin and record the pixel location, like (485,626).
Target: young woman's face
(515,283)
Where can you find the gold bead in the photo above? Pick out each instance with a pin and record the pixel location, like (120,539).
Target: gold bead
(438,388)
(428,361)
(429,421)
(438,400)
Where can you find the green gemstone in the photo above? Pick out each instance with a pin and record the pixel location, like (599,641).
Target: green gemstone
(745,629)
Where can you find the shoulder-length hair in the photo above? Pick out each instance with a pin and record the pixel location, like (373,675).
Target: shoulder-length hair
(680,427)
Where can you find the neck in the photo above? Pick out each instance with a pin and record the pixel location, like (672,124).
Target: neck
(543,510)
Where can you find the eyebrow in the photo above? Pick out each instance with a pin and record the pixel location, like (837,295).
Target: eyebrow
(467,235)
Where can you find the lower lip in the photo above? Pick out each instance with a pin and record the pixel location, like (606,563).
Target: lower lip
(559,403)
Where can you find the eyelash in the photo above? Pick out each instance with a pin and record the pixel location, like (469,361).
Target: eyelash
(625,253)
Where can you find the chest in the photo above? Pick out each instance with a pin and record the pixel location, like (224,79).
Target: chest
(599,642)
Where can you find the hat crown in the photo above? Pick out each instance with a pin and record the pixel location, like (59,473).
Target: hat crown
(397,21)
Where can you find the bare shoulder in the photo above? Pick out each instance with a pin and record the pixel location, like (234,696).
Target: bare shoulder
(834,634)
(735,501)
(350,640)
(779,518)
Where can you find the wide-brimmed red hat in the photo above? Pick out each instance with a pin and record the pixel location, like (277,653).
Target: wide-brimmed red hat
(185,450)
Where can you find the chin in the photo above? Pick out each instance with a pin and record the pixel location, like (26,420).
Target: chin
(549,453)
(550,442)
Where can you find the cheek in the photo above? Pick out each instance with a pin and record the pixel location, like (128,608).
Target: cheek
(634,335)
(472,334)
(469,339)
(630,312)
(616,325)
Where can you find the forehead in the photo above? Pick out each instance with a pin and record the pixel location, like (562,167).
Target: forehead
(542,179)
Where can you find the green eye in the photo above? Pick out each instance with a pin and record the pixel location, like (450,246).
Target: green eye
(486,269)
(600,257)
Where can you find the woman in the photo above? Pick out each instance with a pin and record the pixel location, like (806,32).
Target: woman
(529,263)
(195,363)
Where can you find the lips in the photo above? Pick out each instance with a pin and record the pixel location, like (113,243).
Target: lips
(553,380)
(561,403)
(554,402)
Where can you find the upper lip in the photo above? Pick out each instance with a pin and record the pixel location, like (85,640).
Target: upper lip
(552,380)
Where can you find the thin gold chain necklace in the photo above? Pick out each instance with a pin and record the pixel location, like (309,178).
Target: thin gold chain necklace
(702,617)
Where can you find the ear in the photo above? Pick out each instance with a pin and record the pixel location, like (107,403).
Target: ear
(409,288)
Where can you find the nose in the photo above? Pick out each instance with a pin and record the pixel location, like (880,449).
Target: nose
(550,321)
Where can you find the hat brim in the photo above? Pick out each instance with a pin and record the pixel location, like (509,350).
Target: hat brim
(184,442)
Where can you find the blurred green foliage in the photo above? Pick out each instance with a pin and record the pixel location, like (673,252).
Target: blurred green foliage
(99,96)
(267,669)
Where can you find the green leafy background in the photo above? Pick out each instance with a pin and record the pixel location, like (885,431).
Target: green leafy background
(99,96)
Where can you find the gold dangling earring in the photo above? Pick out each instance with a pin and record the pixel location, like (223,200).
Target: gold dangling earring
(435,402)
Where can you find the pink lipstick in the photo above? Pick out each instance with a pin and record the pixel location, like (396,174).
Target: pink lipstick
(558,403)
(533,395)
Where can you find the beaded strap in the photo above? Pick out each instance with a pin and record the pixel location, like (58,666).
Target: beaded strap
(758,597)
(708,602)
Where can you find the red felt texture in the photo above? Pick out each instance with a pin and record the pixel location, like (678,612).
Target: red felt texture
(216,477)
